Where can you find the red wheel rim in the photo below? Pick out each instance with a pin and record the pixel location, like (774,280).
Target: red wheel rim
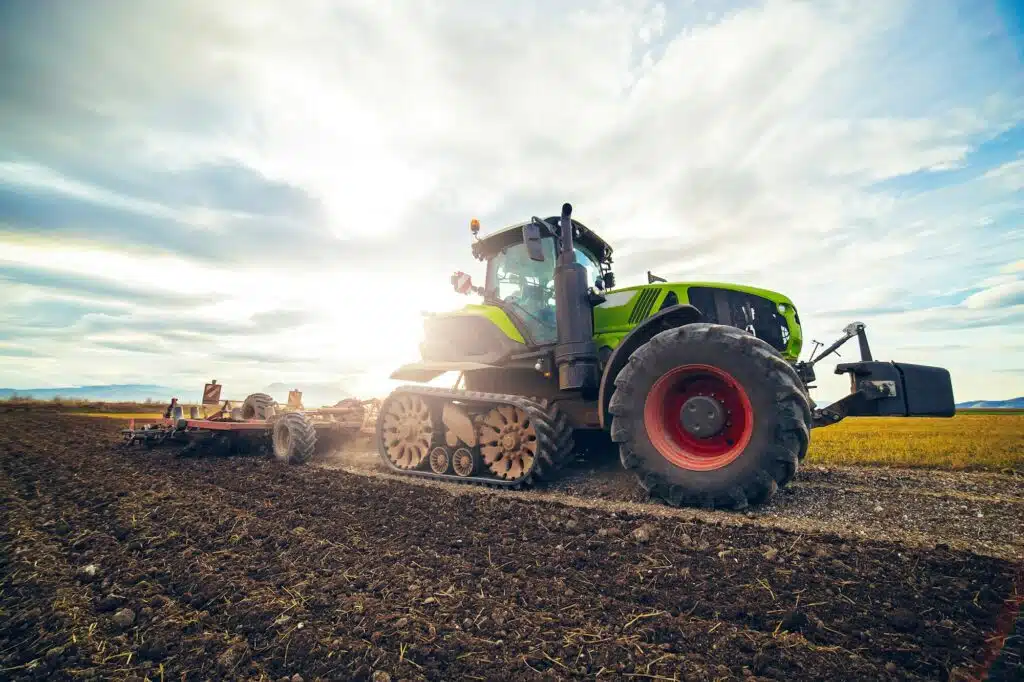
(663,408)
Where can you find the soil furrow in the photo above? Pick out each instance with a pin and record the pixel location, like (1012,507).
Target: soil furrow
(244,568)
(809,572)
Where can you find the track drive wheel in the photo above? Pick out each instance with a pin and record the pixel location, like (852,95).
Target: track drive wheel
(508,441)
(710,415)
(408,431)
(256,406)
(294,438)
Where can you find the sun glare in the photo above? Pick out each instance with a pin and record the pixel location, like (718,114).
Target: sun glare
(382,325)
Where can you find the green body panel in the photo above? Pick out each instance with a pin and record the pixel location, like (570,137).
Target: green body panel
(617,316)
(612,320)
(494,314)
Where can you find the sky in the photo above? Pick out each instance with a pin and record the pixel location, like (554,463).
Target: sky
(265,192)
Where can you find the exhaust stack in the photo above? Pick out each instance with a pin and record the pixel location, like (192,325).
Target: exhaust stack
(575,352)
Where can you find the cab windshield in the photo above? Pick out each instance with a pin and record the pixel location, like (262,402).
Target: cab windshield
(528,286)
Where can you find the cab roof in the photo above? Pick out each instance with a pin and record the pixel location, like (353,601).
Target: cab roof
(491,245)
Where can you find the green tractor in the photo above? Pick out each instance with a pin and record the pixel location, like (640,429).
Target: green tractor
(699,384)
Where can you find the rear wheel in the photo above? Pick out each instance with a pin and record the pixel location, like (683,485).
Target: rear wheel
(710,415)
(294,438)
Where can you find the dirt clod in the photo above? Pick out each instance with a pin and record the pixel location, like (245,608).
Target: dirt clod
(904,620)
(232,656)
(796,621)
(124,618)
(643,534)
(90,572)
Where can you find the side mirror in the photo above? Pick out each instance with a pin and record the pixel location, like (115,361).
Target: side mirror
(531,236)
(462,283)
(609,280)
(599,283)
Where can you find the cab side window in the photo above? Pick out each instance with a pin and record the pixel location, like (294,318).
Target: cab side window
(528,287)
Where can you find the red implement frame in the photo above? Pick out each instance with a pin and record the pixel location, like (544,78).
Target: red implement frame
(175,427)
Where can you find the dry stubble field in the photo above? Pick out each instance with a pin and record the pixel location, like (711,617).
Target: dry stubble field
(132,565)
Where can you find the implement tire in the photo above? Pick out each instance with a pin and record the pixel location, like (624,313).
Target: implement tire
(747,399)
(255,406)
(294,438)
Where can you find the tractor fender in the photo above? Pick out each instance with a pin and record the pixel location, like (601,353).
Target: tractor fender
(669,318)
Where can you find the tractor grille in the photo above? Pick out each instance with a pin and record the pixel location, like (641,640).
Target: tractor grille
(755,314)
(644,305)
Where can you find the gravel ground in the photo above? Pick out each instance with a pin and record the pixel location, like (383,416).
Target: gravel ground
(125,564)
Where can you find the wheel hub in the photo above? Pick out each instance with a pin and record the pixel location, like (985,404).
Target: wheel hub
(698,417)
(702,416)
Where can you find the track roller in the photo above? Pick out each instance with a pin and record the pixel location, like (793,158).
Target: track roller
(439,460)
(464,462)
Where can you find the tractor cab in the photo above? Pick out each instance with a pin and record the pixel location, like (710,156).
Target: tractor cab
(520,278)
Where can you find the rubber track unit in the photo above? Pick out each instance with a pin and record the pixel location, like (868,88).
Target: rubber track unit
(554,434)
(782,409)
(303,437)
(565,447)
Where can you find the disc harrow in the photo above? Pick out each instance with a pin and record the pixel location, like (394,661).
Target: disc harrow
(492,439)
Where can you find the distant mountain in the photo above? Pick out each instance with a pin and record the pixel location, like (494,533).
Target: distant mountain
(106,393)
(1011,404)
(315,394)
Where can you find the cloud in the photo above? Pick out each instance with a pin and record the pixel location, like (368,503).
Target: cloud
(109,291)
(129,347)
(267,190)
(261,358)
(7,351)
(1004,295)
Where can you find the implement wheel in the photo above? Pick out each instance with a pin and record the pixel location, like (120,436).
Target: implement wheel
(294,438)
(710,415)
(256,406)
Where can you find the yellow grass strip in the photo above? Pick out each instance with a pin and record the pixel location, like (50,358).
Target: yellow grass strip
(967,441)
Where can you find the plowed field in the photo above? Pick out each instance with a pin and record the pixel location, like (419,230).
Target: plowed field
(132,565)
